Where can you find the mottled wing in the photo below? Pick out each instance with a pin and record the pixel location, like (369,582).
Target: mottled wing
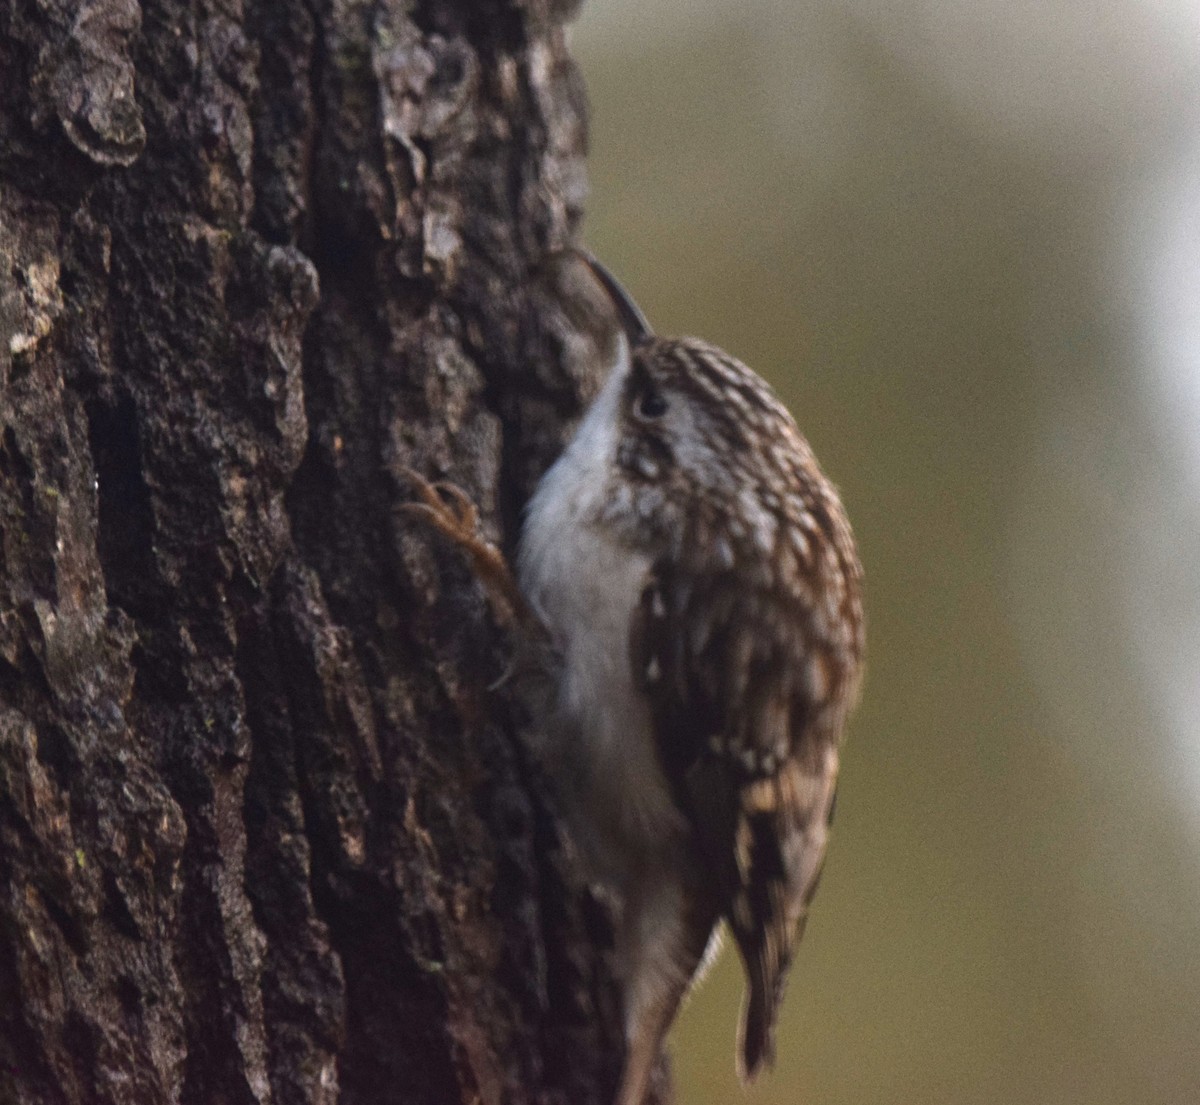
(750,688)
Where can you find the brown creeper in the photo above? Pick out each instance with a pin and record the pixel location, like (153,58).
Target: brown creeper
(697,576)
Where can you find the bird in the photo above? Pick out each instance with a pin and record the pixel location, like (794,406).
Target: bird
(695,588)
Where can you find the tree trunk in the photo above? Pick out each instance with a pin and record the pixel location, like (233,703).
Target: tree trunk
(266,834)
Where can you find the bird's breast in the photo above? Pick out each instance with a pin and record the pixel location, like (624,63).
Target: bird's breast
(586,588)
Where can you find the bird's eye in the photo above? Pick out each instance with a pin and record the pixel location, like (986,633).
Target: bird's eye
(651,404)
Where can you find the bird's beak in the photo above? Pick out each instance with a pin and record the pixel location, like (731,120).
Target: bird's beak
(633,322)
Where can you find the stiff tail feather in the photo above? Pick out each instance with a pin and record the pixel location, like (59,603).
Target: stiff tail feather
(756,1039)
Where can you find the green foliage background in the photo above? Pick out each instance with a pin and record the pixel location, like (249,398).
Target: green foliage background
(951,258)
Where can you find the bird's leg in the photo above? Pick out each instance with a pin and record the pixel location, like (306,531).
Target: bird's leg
(451,512)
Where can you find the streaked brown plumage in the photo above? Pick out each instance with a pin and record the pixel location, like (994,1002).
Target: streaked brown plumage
(698,577)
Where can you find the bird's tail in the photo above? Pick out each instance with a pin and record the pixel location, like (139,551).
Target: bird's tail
(756,1043)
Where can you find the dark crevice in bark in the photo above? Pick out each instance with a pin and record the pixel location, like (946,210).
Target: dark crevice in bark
(125,526)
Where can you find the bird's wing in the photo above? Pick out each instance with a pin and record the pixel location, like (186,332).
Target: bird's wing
(749,696)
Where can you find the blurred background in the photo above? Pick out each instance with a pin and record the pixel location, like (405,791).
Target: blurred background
(962,239)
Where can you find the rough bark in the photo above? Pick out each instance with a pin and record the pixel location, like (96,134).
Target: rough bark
(266,835)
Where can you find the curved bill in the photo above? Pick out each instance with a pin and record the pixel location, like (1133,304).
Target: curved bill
(636,327)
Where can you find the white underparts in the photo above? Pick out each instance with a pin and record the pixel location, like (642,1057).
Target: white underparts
(586,585)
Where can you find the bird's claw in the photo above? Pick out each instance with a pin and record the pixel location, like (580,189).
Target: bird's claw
(451,512)
(446,507)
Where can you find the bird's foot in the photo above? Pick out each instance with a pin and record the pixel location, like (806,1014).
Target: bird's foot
(449,510)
